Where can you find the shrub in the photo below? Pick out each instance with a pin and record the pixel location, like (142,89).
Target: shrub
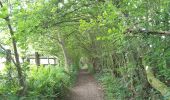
(113,88)
(44,83)
(47,82)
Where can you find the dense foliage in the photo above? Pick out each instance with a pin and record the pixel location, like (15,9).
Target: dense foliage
(125,41)
(47,83)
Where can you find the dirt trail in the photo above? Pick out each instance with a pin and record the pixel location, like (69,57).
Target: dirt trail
(86,88)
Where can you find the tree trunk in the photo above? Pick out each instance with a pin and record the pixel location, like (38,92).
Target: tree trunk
(18,65)
(66,57)
(8,57)
(156,83)
(65,53)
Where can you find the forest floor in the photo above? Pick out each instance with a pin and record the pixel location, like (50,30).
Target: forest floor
(86,88)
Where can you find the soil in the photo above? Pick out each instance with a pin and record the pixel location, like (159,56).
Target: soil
(86,88)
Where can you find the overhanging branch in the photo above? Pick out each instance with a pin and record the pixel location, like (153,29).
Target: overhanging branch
(154,32)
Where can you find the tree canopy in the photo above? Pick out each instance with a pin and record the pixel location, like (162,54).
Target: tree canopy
(125,42)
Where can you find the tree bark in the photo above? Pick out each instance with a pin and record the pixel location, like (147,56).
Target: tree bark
(65,53)
(8,57)
(157,84)
(18,65)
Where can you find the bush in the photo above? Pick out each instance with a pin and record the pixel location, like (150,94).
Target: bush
(112,87)
(73,73)
(47,82)
(9,83)
(44,83)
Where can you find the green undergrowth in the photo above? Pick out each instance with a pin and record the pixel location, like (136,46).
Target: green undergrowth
(73,74)
(116,89)
(44,83)
(113,90)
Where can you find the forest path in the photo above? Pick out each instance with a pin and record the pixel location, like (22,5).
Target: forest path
(86,88)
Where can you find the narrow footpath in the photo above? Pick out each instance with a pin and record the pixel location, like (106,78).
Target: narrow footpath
(86,88)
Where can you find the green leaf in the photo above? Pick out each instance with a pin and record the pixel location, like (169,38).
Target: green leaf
(110,31)
(4,12)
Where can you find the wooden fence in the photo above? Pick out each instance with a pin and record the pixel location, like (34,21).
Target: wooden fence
(34,59)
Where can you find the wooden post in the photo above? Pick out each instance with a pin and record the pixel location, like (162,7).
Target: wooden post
(28,60)
(37,59)
(48,60)
(54,61)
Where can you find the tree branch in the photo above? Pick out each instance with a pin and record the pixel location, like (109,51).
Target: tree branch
(6,52)
(154,32)
(2,47)
(1,4)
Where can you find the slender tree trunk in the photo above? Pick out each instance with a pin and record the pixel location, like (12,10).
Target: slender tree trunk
(94,62)
(18,65)
(8,64)
(66,57)
(115,66)
(8,57)
(65,53)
